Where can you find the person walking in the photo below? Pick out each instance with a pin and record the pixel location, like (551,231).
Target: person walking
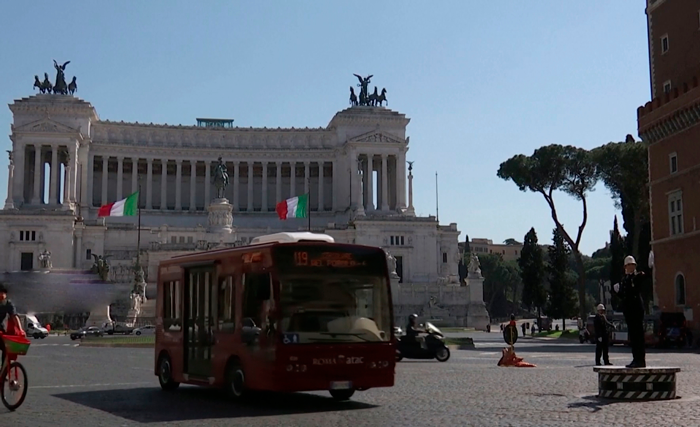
(630,292)
(601,325)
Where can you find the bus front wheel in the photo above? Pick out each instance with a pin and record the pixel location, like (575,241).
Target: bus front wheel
(165,374)
(235,381)
(342,394)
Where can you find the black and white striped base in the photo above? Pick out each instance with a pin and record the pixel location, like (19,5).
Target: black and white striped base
(636,383)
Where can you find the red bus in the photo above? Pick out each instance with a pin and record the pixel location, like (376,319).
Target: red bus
(290,312)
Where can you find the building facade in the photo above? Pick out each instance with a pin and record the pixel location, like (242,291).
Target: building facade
(509,252)
(669,124)
(66,162)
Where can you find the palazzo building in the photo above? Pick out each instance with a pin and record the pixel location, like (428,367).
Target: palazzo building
(66,162)
(669,124)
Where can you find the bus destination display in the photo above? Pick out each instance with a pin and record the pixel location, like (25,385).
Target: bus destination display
(326,259)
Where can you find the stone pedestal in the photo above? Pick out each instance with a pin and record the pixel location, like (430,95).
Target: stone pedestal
(621,383)
(99,316)
(220,216)
(477,315)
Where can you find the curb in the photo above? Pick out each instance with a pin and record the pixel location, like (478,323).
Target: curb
(461,347)
(144,345)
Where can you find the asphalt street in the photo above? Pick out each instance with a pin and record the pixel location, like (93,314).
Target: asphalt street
(87,386)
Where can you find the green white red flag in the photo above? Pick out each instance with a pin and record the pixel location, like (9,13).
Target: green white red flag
(295,207)
(124,207)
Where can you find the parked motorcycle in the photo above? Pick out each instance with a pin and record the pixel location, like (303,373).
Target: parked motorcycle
(434,343)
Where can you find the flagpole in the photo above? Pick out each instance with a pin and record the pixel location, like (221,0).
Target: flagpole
(138,228)
(308,209)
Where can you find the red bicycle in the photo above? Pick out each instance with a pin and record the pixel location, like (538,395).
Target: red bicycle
(13,376)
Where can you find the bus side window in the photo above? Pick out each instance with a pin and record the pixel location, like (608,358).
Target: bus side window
(172,316)
(227,304)
(256,289)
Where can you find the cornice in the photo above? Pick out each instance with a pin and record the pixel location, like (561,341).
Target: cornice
(56,105)
(44,125)
(361,115)
(675,122)
(135,135)
(228,154)
(377,137)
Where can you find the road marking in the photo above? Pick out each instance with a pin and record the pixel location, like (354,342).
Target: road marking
(89,385)
(54,345)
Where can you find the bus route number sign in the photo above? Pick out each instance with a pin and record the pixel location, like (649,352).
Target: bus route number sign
(326,259)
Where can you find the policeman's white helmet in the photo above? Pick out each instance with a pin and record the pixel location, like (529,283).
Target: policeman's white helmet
(630,260)
(601,307)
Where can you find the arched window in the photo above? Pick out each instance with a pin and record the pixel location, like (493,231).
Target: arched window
(680,289)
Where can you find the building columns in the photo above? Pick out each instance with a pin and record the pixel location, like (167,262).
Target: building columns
(53,187)
(193,185)
(359,173)
(278,183)
(334,193)
(178,185)
(164,185)
(120,177)
(36,194)
(236,180)
(320,186)
(149,183)
(307,178)
(292,178)
(105,172)
(370,183)
(265,204)
(385,184)
(249,205)
(207,186)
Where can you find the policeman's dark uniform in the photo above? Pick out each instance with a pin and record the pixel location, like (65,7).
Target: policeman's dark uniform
(633,308)
(601,325)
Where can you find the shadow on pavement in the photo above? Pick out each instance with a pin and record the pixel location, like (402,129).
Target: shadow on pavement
(592,403)
(152,405)
(570,347)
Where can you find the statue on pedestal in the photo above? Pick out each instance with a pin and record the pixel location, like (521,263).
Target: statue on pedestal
(45,259)
(220,178)
(391,264)
(474,267)
(138,293)
(100,266)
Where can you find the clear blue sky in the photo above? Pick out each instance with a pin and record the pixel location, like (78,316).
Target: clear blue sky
(481,81)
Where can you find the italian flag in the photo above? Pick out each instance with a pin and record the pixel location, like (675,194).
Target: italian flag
(296,207)
(124,207)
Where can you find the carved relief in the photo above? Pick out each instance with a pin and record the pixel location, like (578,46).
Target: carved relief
(378,137)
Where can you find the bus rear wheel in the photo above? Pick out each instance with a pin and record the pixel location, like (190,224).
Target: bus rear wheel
(235,381)
(342,394)
(165,374)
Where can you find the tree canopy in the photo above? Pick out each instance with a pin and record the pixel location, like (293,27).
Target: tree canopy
(557,167)
(623,168)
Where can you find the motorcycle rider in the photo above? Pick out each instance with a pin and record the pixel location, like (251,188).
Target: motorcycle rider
(413,331)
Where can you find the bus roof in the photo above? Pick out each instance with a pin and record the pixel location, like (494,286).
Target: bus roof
(303,236)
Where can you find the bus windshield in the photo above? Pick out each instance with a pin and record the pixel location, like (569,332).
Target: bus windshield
(333,295)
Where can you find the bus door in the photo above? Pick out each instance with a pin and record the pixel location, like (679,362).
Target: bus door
(200,303)
(257,312)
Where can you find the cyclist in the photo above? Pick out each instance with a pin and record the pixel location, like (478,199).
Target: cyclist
(7,312)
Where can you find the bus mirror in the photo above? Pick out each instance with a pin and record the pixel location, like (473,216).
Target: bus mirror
(249,334)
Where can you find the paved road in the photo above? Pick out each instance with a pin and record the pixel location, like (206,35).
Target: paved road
(80,386)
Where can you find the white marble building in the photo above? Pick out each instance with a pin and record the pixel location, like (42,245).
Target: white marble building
(88,162)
